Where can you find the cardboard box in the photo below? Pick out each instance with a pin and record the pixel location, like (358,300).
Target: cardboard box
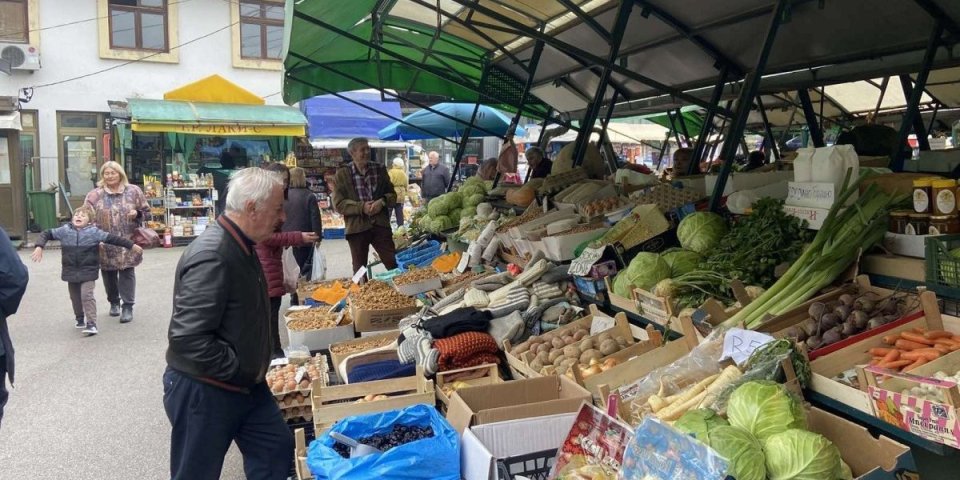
(379,320)
(517,399)
(812,194)
(483,445)
(906,245)
(560,248)
(473,376)
(747,180)
(339,351)
(319,339)
(869,457)
(813,216)
(895,266)
(416,288)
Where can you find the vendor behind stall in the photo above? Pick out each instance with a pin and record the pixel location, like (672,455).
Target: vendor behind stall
(539,163)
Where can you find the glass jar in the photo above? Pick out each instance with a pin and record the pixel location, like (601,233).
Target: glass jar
(944,197)
(944,224)
(899,219)
(922,191)
(919,224)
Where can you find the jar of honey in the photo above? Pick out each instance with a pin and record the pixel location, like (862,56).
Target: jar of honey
(944,224)
(919,224)
(899,219)
(922,191)
(944,199)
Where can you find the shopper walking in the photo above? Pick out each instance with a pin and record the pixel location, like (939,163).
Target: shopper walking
(119,208)
(303,215)
(400,181)
(270,254)
(13,283)
(80,259)
(361,194)
(435,178)
(214,391)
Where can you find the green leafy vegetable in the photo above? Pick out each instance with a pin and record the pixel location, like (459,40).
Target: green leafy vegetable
(764,408)
(742,450)
(681,261)
(801,455)
(701,231)
(700,423)
(644,271)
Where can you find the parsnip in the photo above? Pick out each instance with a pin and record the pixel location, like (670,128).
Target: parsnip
(693,392)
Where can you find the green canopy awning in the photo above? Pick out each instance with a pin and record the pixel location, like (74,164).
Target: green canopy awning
(225,119)
(329,50)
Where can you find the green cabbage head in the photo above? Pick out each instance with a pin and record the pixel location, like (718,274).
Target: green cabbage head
(700,423)
(681,261)
(701,231)
(742,450)
(764,408)
(438,206)
(645,270)
(801,455)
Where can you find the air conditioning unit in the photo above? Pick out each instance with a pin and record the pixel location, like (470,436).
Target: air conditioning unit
(20,56)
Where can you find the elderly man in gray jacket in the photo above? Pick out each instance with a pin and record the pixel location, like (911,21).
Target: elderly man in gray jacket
(435,178)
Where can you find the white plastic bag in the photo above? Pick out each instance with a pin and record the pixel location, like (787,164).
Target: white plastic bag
(803,165)
(318,270)
(291,271)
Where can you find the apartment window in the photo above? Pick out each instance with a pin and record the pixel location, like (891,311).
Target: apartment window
(261,29)
(14,26)
(138,24)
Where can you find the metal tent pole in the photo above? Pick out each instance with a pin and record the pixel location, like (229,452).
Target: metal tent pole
(933,117)
(899,155)
(683,128)
(593,110)
(663,149)
(917,120)
(603,132)
(751,85)
(674,129)
(766,126)
(700,146)
(811,117)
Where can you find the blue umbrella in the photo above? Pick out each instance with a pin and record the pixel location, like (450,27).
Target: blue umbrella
(431,124)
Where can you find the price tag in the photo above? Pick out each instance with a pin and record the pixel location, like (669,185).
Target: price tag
(739,344)
(601,323)
(216,195)
(582,264)
(279,362)
(360,273)
(300,374)
(464,261)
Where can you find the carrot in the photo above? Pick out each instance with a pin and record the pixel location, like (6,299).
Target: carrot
(895,365)
(891,339)
(875,361)
(926,354)
(916,337)
(956,338)
(904,344)
(935,334)
(879,351)
(894,355)
(919,329)
(913,365)
(942,348)
(945,341)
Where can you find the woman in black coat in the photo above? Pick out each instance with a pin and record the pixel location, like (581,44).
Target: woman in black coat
(303,215)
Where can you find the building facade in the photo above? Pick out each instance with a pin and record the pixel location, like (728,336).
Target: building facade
(91,52)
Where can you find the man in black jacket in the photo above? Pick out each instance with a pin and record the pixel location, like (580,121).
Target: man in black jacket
(219,342)
(13,282)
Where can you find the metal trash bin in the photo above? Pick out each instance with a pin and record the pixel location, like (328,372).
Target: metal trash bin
(43,208)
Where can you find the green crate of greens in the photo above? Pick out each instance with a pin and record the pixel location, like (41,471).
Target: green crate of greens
(943,265)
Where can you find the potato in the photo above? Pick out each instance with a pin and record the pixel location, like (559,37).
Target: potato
(571,351)
(558,343)
(554,354)
(544,357)
(568,362)
(536,365)
(604,337)
(586,344)
(580,334)
(559,359)
(609,347)
(568,339)
(588,355)
(622,341)
(523,347)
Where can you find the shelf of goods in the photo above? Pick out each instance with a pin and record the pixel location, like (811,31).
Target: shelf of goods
(189,210)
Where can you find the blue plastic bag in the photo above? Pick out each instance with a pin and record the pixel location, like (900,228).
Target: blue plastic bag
(434,458)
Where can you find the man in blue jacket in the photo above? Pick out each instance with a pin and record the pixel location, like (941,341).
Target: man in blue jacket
(13,282)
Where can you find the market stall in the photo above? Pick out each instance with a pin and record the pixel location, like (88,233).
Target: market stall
(182,149)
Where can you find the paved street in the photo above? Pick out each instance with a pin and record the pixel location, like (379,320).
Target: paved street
(91,408)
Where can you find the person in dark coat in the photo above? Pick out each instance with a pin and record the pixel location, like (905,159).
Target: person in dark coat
(540,165)
(214,388)
(270,253)
(13,283)
(80,258)
(303,215)
(434,178)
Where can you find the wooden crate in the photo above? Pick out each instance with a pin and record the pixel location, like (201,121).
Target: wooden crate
(337,402)
(638,360)
(485,374)
(300,455)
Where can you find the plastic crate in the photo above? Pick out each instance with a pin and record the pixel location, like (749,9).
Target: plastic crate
(334,233)
(418,250)
(535,466)
(943,269)
(589,286)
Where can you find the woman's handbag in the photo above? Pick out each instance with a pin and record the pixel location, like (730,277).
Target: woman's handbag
(145,237)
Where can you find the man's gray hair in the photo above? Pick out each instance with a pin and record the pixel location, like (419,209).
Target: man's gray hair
(355,141)
(252,184)
(536,150)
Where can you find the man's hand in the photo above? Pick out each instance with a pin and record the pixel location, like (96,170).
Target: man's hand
(377,206)
(368,208)
(132,214)
(37,254)
(137,249)
(310,237)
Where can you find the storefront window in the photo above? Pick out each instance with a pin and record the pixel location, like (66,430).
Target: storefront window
(261,29)
(138,24)
(80,163)
(4,161)
(13,21)
(78,120)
